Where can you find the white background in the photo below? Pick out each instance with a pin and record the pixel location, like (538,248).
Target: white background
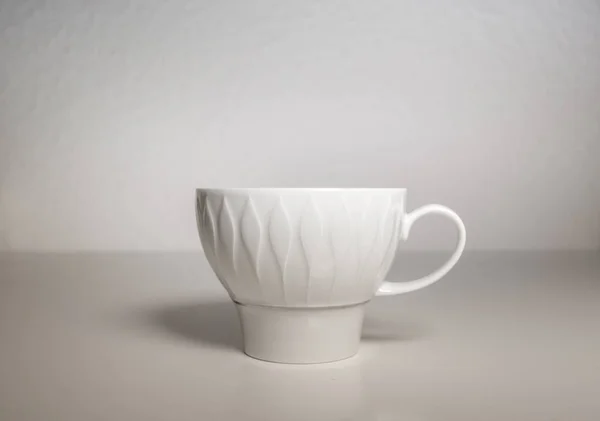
(112,112)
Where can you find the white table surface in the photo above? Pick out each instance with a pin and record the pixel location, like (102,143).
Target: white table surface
(506,336)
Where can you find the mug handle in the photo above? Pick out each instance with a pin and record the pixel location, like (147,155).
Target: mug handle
(393,288)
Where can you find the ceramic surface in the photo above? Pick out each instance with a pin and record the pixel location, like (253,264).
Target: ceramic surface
(309,248)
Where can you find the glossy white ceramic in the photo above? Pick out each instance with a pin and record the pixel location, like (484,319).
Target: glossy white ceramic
(300,263)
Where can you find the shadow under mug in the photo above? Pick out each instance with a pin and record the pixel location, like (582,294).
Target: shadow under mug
(301,263)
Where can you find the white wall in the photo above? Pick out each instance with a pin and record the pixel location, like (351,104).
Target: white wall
(112,112)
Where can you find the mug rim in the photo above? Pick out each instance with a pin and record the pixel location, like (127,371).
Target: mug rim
(298,189)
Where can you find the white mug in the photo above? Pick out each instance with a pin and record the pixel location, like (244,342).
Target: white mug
(301,263)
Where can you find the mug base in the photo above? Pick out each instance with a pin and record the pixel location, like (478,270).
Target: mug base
(293,335)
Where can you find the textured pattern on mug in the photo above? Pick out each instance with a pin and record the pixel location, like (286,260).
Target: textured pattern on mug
(296,250)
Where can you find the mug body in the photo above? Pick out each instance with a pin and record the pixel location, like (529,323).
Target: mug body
(289,255)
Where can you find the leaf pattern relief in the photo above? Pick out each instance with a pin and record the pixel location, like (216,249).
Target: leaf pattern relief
(317,248)
(367,240)
(210,238)
(372,250)
(280,240)
(208,230)
(251,241)
(228,238)
(344,242)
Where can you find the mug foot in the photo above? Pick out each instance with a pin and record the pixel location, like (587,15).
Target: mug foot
(301,335)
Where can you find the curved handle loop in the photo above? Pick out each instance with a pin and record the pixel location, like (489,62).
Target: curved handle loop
(393,288)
